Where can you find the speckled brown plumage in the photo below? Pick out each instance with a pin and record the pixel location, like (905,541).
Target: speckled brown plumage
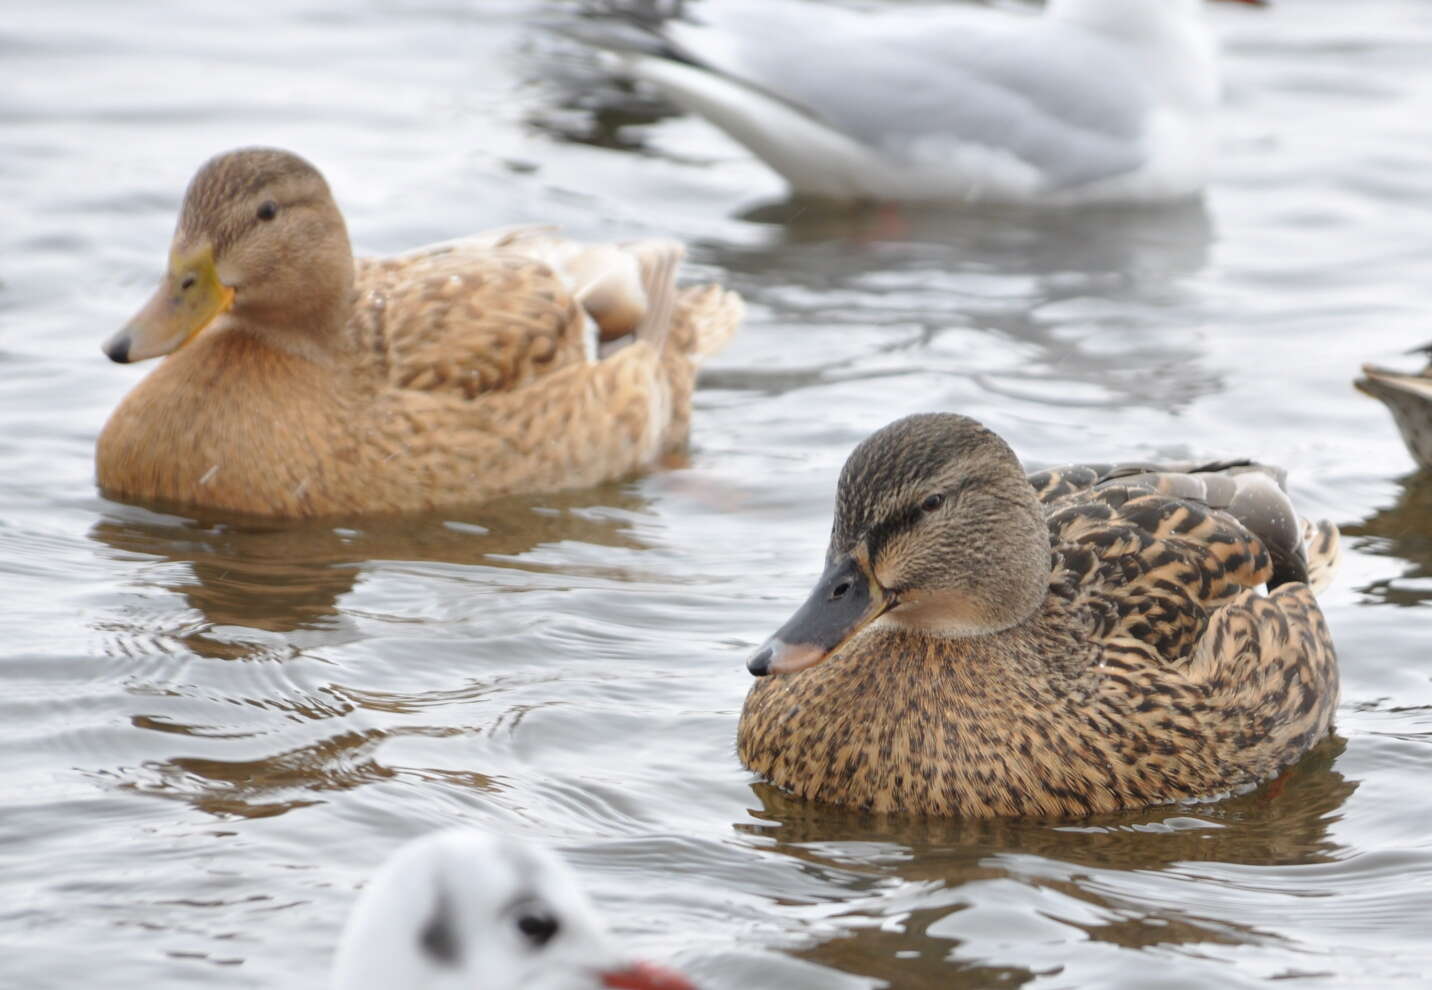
(1409,399)
(1152,670)
(512,362)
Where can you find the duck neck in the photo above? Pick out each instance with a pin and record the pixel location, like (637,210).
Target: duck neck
(318,347)
(307,324)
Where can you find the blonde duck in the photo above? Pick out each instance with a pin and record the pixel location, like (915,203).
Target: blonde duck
(299,382)
(1084,640)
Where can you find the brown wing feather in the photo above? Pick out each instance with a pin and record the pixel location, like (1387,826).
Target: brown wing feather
(464,321)
(1150,567)
(1168,589)
(1253,494)
(576,427)
(1170,478)
(1268,665)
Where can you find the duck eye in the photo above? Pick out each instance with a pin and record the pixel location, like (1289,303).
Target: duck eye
(268,209)
(932,502)
(539,928)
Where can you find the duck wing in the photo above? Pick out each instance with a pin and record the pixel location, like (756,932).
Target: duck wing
(1164,564)
(1268,666)
(1254,495)
(497,312)
(1166,545)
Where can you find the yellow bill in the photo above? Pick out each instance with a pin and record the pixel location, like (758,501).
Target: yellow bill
(187,301)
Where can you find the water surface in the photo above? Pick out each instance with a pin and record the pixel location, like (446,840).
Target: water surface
(213,732)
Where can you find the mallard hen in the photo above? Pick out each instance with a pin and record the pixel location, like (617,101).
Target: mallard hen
(1409,399)
(301,383)
(1084,640)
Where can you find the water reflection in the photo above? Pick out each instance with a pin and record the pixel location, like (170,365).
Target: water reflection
(1402,530)
(1283,822)
(1077,308)
(1123,243)
(259,740)
(924,937)
(286,576)
(284,782)
(907,958)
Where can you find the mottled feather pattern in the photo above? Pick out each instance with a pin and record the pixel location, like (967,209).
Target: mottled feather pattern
(1324,552)
(706,318)
(1153,672)
(448,321)
(1252,494)
(1268,662)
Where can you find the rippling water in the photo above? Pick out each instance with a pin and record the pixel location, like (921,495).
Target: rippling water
(212,733)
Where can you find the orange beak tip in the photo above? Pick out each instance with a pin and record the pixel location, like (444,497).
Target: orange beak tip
(646,976)
(777,657)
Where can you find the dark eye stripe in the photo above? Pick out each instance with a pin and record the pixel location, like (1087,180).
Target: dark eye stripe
(888,528)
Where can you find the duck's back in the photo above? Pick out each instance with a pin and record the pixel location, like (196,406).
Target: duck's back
(449,322)
(551,364)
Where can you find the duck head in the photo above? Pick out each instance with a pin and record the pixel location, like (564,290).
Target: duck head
(261,245)
(936,529)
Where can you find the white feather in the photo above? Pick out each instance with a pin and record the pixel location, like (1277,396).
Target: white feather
(1091,101)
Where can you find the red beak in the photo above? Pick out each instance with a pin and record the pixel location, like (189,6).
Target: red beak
(645,976)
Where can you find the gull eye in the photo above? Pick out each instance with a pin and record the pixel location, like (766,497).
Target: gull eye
(268,209)
(537,928)
(932,502)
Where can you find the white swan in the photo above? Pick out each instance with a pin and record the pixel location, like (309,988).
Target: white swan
(463,909)
(1090,101)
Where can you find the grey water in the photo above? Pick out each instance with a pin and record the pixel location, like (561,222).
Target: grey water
(210,733)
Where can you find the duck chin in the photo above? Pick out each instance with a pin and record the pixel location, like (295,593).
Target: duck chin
(948,615)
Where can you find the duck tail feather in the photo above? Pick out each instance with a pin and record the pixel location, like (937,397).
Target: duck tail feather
(1322,543)
(657,261)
